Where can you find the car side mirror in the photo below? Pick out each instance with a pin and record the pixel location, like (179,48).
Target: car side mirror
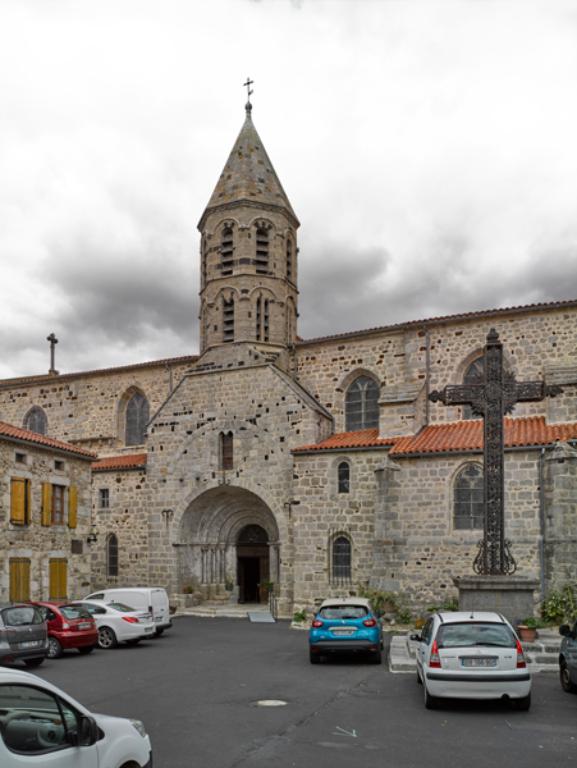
(416,638)
(87,733)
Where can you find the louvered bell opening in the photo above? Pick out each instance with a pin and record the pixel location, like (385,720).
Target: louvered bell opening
(262,247)
(226,253)
(228,321)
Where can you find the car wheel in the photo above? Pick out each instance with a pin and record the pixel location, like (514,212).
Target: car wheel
(565,679)
(86,649)
(314,658)
(376,657)
(522,704)
(34,662)
(107,638)
(158,632)
(430,701)
(54,648)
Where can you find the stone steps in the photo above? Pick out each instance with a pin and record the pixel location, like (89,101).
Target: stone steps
(215,609)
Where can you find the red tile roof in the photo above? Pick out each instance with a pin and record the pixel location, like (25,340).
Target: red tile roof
(452,437)
(125,461)
(11,432)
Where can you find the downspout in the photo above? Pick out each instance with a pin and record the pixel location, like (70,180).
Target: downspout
(427,375)
(543,584)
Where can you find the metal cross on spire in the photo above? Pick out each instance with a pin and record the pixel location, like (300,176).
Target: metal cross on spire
(492,398)
(53,342)
(247,85)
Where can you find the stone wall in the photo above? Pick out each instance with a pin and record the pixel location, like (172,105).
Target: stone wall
(38,543)
(560,475)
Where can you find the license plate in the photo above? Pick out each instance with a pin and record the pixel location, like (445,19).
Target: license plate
(30,643)
(343,631)
(158,619)
(149,629)
(479,661)
(85,625)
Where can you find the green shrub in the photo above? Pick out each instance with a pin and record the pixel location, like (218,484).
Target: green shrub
(560,606)
(299,616)
(382,602)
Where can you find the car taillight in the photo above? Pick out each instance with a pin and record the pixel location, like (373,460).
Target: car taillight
(434,660)
(130,619)
(370,623)
(521,663)
(317,623)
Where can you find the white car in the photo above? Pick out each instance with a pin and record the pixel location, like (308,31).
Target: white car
(40,725)
(118,623)
(152,599)
(472,655)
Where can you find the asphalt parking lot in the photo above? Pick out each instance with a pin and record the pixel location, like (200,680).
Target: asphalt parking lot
(197,686)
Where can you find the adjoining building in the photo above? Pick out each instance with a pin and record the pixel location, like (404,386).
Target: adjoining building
(309,468)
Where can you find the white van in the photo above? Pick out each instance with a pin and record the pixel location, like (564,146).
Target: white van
(40,725)
(151,599)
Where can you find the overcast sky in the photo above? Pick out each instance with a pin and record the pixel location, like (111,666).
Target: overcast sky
(428,148)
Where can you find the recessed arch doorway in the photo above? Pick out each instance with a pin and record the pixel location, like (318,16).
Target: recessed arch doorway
(229,546)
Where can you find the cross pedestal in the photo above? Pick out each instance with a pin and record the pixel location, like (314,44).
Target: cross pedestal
(513,596)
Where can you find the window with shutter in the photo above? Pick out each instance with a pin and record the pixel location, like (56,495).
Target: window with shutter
(58,578)
(19,588)
(20,498)
(72,506)
(46,514)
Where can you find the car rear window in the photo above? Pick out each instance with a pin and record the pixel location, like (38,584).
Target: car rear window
(343,612)
(475,634)
(120,607)
(21,616)
(75,612)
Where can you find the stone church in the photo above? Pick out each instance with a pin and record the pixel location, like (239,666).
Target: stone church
(305,468)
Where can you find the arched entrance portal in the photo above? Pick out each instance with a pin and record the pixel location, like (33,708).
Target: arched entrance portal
(229,546)
(253,568)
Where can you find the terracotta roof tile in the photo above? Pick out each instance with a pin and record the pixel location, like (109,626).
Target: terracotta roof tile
(25,435)
(125,461)
(452,437)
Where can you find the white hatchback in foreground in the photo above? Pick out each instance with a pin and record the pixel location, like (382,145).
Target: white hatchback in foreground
(472,655)
(118,623)
(40,725)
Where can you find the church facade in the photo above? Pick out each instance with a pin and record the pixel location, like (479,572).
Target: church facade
(311,468)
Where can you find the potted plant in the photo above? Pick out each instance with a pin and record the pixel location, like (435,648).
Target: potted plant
(527,629)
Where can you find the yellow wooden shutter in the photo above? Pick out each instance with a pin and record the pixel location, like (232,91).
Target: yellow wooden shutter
(46,504)
(58,578)
(28,502)
(18,501)
(72,506)
(19,579)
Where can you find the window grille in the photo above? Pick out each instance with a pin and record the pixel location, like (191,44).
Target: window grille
(228,320)
(362,404)
(226,450)
(468,498)
(137,413)
(341,560)
(226,251)
(112,555)
(344,477)
(262,251)
(36,421)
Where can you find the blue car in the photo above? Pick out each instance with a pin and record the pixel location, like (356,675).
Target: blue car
(346,625)
(568,658)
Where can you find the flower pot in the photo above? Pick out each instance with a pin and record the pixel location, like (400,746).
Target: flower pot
(527,634)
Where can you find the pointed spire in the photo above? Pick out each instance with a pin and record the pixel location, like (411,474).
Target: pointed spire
(248,176)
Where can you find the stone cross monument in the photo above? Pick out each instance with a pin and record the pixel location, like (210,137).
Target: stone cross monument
(492,398)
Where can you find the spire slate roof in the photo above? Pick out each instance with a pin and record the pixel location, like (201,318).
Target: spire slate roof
(249,175)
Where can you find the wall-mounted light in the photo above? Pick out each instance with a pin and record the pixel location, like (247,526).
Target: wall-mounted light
(92,537)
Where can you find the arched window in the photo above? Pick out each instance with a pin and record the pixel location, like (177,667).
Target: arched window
(226,450)
(265,321)
(36,421)
(468,498)
(474,374)
(259,319)
(362,404)
(226,250)
(137,412)
(262,250)
(289,259)
(111,555)
(341,560)
(262,315)
(228,320)
(344,476)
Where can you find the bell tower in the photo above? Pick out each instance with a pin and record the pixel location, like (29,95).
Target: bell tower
(248,252)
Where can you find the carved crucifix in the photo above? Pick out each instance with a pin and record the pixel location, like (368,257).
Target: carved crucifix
(492,398)
(53,342)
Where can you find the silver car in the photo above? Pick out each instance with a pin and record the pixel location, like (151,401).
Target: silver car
(23,634)
(472,655)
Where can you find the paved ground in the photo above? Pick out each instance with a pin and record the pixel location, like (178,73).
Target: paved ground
(196,687)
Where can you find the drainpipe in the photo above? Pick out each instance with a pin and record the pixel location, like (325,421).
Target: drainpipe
(543,584)
(427,375)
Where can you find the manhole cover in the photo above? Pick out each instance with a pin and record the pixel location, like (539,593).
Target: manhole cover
(271,703)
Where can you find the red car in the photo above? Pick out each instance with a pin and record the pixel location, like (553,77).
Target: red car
(69,626)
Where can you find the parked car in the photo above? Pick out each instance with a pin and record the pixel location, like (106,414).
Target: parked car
(118,623)
(69,627)
(151,599)
(23,634)
(568,658)
(40,725)
(472,655)
(345,625)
